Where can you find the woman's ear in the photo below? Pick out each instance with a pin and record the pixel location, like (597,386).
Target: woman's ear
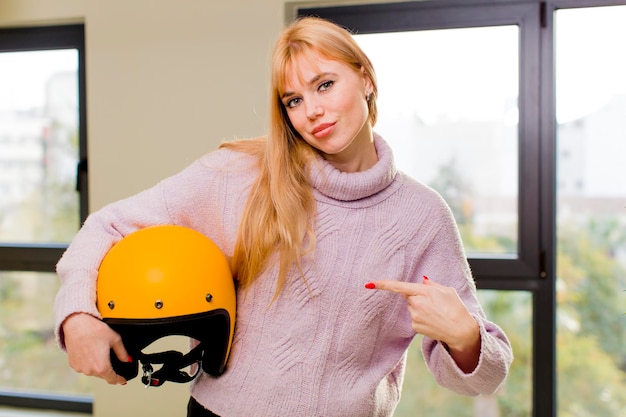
(368,87)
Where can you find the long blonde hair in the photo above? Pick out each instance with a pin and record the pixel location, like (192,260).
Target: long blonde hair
(280,209)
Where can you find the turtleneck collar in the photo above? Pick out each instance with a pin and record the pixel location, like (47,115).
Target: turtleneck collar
(350,186)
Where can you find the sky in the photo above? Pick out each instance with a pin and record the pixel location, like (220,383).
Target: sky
(590,57)
(23,75)
(470,75)
(590,67)
(480,64)
(478,73)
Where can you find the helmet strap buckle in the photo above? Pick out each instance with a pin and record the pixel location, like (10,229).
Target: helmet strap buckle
(146,379)
(171,370)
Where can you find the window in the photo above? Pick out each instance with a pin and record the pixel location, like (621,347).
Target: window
(466,99)
(591,210)
(42,203)
(457,130)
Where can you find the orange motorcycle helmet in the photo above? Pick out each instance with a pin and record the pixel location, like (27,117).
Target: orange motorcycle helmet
(168,281)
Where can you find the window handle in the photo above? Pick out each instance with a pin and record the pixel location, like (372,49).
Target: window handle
(81,173)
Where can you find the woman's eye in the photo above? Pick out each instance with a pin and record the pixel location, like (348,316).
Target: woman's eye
(293,102)
(325,85)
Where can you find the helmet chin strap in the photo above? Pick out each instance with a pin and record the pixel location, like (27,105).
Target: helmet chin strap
(172,363)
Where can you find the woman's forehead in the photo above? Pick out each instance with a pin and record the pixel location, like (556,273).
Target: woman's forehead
(304,67)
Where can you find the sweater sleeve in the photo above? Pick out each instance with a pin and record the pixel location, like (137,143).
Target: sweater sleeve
(78,267)
(447,264)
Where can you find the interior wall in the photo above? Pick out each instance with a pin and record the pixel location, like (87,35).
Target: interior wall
(166,82)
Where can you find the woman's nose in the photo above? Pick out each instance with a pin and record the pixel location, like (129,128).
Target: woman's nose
(314,110)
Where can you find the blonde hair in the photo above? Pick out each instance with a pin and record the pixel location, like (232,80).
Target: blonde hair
(280,209)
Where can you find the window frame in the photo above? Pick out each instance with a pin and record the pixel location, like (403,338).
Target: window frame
(42,257)
(534,267)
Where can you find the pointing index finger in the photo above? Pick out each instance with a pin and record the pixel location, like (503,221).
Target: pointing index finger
(400,287)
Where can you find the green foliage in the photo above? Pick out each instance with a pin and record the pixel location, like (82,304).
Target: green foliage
(590,340)
(29,357)
(589,384)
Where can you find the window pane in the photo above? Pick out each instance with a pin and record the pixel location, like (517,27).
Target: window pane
(422,396)
(38,146)
(29,358)
(448,106)
(591,211)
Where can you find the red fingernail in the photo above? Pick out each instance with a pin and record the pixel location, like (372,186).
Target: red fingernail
(130,359)
(370,285)
(425,277)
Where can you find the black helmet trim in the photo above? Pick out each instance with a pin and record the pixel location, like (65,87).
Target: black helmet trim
(210,329)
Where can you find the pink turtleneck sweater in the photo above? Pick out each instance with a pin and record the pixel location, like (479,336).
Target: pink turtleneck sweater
(327,346)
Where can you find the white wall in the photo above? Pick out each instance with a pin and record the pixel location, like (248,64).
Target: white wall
(166,82)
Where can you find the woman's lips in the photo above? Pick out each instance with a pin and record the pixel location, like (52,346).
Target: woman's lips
(323,130)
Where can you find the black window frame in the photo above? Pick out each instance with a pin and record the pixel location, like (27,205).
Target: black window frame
(42,257)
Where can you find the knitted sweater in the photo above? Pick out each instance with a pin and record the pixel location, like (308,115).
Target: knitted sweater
(326,346)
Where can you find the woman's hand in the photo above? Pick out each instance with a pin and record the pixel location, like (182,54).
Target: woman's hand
(88,342)
(438,312)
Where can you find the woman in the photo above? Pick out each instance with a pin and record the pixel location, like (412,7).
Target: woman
(316,220)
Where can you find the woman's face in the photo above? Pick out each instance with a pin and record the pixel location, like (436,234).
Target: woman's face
(326,104)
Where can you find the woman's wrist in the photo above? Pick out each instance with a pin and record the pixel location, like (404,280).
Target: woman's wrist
(466,351)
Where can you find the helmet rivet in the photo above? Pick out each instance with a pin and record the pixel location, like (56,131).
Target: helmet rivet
(111,305)
(158,304)
(208,298)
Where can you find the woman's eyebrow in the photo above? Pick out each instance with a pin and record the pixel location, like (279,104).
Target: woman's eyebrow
(313,80)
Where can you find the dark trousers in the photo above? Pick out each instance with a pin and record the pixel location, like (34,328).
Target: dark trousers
(195,409)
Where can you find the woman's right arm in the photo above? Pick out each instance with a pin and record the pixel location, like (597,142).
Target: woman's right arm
(79,329)
(78,267)
(188,198)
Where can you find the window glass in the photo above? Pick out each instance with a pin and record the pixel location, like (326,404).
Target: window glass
(39,204)
(591,211)
(448,107)
(422,396)
(38,146)
(29,357)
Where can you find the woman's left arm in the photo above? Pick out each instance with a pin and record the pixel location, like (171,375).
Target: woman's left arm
(466,353)
(464,350)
